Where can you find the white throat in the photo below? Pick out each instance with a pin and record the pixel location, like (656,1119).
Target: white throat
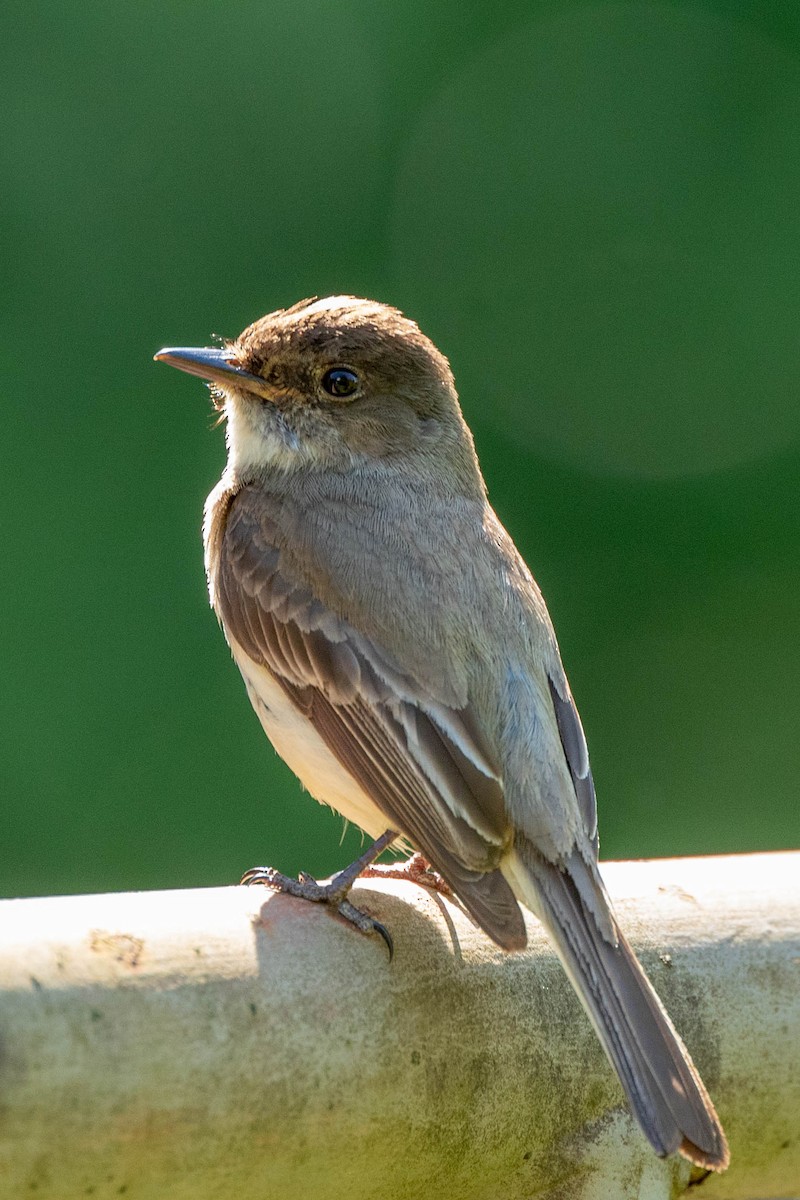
(275,444)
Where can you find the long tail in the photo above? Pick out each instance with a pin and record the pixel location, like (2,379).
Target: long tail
(662,1084)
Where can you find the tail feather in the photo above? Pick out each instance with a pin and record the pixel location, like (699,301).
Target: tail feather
(662,1084)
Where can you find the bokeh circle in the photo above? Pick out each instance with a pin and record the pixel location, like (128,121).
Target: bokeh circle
(603,210)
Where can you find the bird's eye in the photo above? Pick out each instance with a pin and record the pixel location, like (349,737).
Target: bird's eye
(339,382)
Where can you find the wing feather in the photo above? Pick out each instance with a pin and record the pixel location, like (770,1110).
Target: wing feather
(577,755)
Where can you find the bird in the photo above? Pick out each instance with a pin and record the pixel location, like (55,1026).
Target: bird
(401,659)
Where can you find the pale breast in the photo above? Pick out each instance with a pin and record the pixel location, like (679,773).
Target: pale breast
(302,749)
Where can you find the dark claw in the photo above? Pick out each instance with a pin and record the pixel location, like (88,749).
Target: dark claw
(257,875)
(387,937)
(365,923)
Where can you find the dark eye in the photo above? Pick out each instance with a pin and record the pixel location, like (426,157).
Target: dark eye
(340,381)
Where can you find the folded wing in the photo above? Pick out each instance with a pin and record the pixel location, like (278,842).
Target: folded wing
(424,764)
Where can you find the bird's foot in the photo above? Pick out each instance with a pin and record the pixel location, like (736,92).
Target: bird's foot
(334,893)
(415,869)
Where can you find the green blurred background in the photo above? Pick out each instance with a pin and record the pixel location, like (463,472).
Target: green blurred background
(594,209)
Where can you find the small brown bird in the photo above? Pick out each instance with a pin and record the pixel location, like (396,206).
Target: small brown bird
(401,659)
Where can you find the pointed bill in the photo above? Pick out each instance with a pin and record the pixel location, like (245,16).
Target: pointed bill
(210,364)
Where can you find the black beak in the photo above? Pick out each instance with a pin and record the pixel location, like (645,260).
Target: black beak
(214,365)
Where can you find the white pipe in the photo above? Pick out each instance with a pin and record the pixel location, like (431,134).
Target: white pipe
(232,1042)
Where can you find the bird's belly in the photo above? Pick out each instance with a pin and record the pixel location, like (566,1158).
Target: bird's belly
(302,749)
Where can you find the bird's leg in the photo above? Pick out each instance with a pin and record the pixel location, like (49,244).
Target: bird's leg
(334,893)
(415,869)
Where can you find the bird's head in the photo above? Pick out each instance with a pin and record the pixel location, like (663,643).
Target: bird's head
(333,384)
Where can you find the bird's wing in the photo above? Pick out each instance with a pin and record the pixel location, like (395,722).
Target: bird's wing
(423,764)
